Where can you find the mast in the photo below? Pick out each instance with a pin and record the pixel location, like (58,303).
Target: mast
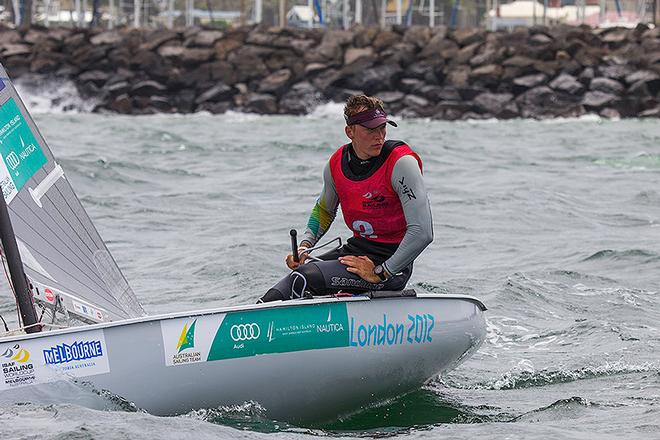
(18,280)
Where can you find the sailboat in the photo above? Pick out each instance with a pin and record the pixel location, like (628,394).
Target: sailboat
(82,325)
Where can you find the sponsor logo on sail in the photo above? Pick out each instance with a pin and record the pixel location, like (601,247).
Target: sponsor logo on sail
(185,347)
(245,332)
(16,366)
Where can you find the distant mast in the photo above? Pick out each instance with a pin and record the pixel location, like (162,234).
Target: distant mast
(18,279)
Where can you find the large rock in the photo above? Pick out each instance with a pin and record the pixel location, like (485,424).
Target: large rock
(248,63)
(375,79)
(650,78)
(331,49)
(10,50)
(98,77)
(171,52)
(518,61)
(540,39)
(223,71)
(115,87)
(184,101)
(226,46)
(276,82)
(147,88)
(419,105)
(410,85)
(543,102)
(261,103)
(435,46)
(8,36)
(157,38)
(219,92)
(207,38)
(466,53)
(467,36)
(615,36)
(488,55)
(353,54)
(194,56)
(364,36)
(47,64)
(616,71)
(121,104)
(417,35)
(606,85)
(458,76)
(500,105)
(420,69)
(567,83)
(390,98)
(109,37)
(488,75)
(530,81)
(385,39)
(301,99)
(595,100)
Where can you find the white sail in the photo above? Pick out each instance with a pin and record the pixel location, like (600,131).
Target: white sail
(64,257)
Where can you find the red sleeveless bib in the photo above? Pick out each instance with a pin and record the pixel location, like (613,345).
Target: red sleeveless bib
(371,207)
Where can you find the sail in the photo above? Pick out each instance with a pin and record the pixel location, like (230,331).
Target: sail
(63,255)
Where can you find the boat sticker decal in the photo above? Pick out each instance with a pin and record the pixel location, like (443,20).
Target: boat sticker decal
(400,330)
(76,354)
(281,330)
(188,340)
(21,154)
(17,367)
(53,358)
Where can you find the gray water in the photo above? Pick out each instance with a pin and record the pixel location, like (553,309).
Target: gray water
(554,225)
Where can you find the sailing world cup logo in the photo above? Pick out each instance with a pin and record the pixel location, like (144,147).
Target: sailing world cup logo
(245,332)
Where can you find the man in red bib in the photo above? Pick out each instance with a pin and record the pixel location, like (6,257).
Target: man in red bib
(380,189)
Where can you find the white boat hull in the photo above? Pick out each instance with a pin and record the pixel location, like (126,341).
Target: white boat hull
(307,360)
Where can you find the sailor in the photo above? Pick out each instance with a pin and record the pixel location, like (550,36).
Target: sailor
(380,189)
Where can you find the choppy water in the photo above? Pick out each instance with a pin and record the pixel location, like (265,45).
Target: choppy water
(554,225)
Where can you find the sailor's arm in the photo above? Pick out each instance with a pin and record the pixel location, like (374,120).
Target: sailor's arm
(408,183)
(324,211)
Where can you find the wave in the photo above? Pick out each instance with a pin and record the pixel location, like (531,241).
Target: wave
(416,410)
(525,376)
(329,110)
(641,161)
(628,254)
(559,409)
(52,96)
(249,415)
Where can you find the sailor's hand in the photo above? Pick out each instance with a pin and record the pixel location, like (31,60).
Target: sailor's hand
(362,266)
(303,256)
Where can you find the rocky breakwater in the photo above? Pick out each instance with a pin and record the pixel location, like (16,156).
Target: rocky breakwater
(534,72)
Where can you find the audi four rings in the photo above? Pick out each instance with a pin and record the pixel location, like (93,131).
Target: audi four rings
(245,332)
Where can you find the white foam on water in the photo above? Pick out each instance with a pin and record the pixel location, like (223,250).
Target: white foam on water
(54,96)
(332,110)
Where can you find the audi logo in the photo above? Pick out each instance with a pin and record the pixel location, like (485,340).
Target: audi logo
(12,160)
(245,332)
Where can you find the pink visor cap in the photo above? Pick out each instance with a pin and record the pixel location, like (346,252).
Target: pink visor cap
(371,118)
